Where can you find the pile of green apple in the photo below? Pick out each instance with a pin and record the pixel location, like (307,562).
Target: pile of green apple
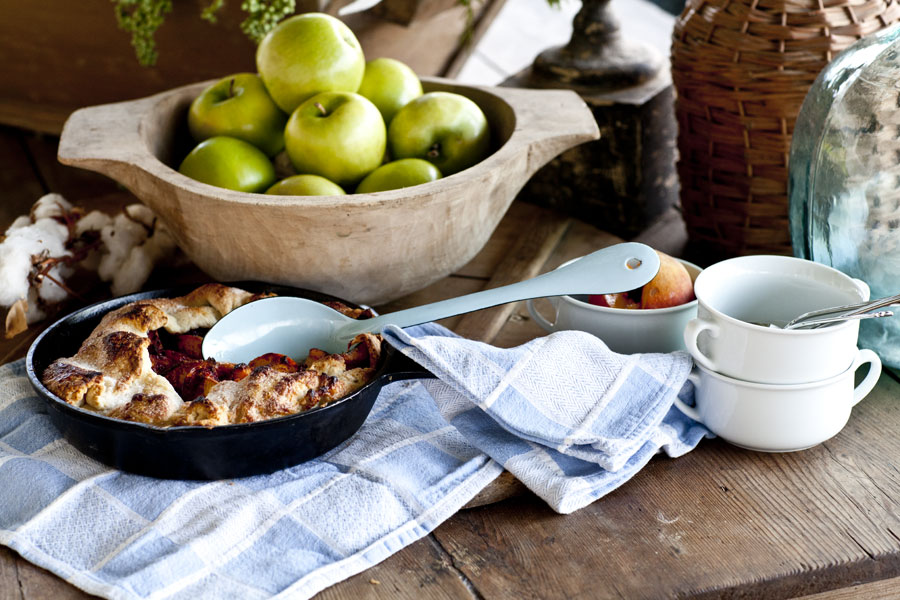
(343,123)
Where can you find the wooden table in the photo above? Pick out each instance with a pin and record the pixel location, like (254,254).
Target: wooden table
(718,522)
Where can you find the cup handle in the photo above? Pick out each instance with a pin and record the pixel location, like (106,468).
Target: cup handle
(538,317)
(865,386)
(691,332)
(690,410)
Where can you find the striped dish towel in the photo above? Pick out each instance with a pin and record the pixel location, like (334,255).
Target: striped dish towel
(571,419)
(425,450)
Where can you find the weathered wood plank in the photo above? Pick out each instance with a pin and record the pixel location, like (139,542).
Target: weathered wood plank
(407,11)
(9,580)
(457,60)
(518,217)
(719,521)
(20,580)
(38,583)
(421,570)
(581,239)
(525,258)
(886,589)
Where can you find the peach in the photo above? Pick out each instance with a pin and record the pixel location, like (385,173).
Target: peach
(671,286)
(621,300)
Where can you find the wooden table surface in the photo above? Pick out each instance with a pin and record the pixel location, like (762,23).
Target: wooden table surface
(718,522)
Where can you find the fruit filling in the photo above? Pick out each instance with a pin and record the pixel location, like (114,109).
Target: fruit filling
(179,358)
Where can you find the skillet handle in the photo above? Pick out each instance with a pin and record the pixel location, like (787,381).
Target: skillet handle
(403,367)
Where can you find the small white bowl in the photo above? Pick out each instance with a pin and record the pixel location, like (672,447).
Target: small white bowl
(627,331)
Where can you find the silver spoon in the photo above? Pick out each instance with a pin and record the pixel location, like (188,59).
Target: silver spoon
(291,326)
(849,309)
(815,323)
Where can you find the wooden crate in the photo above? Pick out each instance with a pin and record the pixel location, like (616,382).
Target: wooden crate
(406,12)
(60,55)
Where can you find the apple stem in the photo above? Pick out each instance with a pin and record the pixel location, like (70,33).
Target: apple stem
(434,151)
(321,109)
(231,88)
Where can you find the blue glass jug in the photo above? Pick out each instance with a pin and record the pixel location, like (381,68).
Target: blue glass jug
(844,169)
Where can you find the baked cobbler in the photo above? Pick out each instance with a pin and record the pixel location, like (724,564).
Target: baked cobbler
(143,363)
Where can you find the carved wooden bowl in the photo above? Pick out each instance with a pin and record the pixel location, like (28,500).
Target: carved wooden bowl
(368,248)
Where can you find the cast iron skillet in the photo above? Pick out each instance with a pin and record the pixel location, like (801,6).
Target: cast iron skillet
(222,452)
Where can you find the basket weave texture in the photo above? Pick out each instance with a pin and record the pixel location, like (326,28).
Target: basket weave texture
(741,69)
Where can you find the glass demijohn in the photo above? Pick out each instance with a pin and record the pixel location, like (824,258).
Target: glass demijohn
(844,185)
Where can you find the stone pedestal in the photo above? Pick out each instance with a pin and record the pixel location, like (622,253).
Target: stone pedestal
(622,182)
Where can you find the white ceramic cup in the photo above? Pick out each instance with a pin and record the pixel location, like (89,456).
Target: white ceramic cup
(627,331)
(736,293)
(778,418)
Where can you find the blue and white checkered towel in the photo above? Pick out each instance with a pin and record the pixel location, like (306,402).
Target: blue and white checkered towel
(569,418)
(563,414)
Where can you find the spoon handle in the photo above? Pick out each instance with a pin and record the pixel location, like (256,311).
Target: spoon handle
(618,268)
(820,321)
(849,309)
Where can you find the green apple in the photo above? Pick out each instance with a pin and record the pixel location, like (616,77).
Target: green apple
(444,128)
(338,135)
(230,163)
(239,106)
(308,54)
(401,173)
(390,85)
(305,185)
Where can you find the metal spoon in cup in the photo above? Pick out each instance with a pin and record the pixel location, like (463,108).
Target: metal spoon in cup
(814,323)
(847,310)
(291,326)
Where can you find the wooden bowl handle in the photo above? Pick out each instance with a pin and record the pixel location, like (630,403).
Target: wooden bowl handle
(104,138)
(548,121)
(115,138)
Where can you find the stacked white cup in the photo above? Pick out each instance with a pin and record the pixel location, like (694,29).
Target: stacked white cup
(762,387)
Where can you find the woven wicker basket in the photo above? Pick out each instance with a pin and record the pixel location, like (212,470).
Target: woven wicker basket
(741,69)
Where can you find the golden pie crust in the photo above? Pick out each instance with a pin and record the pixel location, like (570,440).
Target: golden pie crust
(114,373)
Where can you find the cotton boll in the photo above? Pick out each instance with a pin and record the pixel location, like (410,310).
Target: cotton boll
(50,206)
(15,265)
(134,272)
(119,238)
(43,237)
(126,253)
(141,260)
(94,220)
(50,234)
(141,213)
(49,291)
(21,221)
